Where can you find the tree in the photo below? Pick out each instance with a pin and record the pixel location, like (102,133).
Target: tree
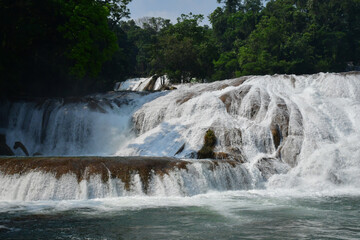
(231,28)
(185,50)
(55,47)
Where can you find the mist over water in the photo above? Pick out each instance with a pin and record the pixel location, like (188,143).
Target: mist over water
(295,141)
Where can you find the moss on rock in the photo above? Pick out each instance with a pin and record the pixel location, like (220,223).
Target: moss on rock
(207,151)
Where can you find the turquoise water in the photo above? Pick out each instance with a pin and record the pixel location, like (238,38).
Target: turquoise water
(227,215)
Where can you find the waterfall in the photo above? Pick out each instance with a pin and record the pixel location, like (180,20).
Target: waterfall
(304,125)
(277,132)
(65,178)
(95,125)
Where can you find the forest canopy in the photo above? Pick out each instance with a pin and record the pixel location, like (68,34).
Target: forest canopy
(75,47)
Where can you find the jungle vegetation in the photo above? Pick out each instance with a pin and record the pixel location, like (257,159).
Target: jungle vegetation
(76,47)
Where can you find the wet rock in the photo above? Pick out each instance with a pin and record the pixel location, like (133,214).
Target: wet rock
(192,155)
(123,168)
(151,84)
(233,99)
(276,134)
(207,151)
(85,167)
(180,149)
(221,155)
(185,98)
(5,150)
(22,147)
(291,149)
(271,166)
(281,118)
(95,106)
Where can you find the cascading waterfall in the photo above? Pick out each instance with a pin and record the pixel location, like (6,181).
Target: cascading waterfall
(95,125)
(304,126)
(279,132)
(91,178)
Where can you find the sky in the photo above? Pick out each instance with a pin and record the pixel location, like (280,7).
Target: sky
(171,9)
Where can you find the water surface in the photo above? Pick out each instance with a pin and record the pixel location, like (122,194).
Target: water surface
(227,215)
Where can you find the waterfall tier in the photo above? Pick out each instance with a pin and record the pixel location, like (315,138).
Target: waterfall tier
(61,178)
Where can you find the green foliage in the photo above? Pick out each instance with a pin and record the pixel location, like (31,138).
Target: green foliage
(90,42)
(184,50)
(301,37)
(207,151)
(67,47)
(55,47)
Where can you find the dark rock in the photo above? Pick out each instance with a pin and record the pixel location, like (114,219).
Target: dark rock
(5,150)
(231,99)
(151,85)
(191,155)
(23,148)
(180,149)
(276,134)
(221,155)
(95,106)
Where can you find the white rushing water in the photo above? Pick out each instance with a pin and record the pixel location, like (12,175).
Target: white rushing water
(143,84)
(97,125)
(318,117)
(197,178)
(293,133)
